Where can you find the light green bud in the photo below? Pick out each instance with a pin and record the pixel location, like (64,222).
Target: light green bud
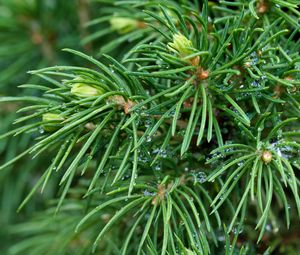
(53,121)
(85,90)
(124,25)
(53,117)
(181,45)
(266,156)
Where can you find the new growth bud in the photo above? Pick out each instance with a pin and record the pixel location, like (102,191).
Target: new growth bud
(125,25)
(181,45)
(52,121)
(85,90)
(267,157)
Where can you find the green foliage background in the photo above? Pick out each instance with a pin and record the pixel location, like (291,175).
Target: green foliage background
(163,127)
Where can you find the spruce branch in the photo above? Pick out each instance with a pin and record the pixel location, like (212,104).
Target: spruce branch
(189,130)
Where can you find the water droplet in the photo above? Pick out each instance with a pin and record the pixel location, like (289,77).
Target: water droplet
(148,123)
(41,130)
(221,238)
(237,229)
(162,153)
(241,163)
(148,193)
(157,167)
(254,84)
(228,150)
(235,177)
(172,113)
(269,227)
(201,177)
(279,152)
(263,77)
(149,139)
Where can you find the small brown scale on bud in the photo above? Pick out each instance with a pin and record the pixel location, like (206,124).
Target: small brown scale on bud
(141,24)
(266,156)
(262,7)
(188,103)
(278,90)
(289,78)
(162,191)
(202,74)
(160,194)
(195,61)
(122,103)
(128,105)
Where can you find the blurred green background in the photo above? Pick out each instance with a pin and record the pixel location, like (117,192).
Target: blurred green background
(32,34)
